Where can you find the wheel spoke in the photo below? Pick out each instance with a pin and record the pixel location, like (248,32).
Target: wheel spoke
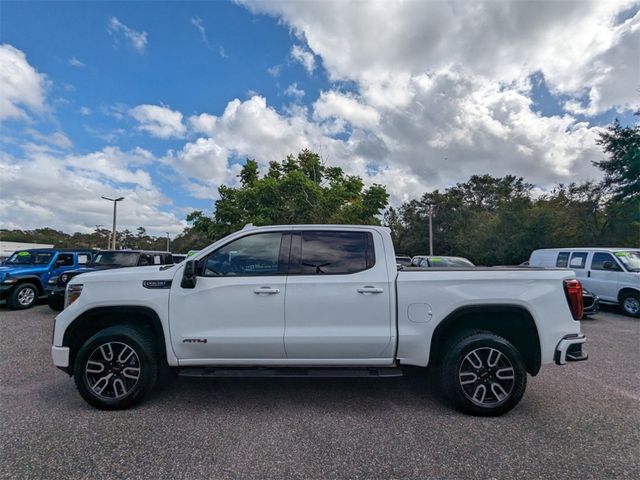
(467,378)
(474,359)
(118,387)
(107,352)
(126,354)
(94,367)
(505,373)
(498,391)
(102,383)
(480,393)
(495,355)
(131,372)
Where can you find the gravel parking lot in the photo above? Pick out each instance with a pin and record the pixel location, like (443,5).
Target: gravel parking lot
(577,421)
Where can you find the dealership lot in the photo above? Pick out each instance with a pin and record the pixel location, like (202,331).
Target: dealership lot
(580,420)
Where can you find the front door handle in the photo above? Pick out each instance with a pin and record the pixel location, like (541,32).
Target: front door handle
(368,290)
(266,291)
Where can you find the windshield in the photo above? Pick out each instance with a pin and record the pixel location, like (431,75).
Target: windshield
(117,259)
(29,258)
(631,260)
(450,262)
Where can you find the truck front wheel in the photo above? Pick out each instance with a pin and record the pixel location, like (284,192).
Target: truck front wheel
(116,368)
(483,374)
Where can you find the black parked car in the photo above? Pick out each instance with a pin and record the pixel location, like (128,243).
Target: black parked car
(590,303)
(103,260)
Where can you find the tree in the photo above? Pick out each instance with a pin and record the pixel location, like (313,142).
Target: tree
(622,168)
(297,190)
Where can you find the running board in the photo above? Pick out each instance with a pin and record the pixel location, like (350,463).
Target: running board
(291,372)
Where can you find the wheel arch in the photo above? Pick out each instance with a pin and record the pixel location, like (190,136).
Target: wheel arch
(29,279)
(92,321)
(626,290)
(513,322)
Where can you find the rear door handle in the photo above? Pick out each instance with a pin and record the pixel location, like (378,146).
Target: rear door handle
(368,290)
(266,291)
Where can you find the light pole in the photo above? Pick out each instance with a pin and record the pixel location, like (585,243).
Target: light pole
(113,234)
(168,241)
(430,205)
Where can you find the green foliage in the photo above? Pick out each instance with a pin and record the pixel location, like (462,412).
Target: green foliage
(297,190)
(622,168)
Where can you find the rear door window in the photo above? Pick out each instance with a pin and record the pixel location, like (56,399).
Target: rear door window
(578,260)
(65,260)
(563,260)
(332,253)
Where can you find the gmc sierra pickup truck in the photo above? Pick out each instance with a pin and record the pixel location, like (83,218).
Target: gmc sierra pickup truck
(316,300)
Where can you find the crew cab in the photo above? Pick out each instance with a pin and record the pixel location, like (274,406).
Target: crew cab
(25,274)
(316,300)
(102,260)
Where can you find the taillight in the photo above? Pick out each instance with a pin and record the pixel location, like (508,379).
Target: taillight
(573,291)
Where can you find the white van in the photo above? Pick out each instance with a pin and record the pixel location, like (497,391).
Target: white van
(611,273)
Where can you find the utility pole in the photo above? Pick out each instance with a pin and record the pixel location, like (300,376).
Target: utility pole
(98,231)
(113,233)
(168,241)
(430,205)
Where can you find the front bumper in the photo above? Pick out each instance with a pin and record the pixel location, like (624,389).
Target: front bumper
(569,349)
(60,356)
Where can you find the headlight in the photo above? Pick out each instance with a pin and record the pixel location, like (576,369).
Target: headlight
(10,280)
(72,294)
(53,280)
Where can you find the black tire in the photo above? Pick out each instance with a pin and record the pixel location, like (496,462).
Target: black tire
(630,303)
(479,394)
(119,374)
(55,303)
(23,296)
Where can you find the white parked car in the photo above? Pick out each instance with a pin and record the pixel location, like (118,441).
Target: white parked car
(316,300)
(613,274)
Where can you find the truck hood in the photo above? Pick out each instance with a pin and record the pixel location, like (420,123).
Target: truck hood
(152,272)
(14,270)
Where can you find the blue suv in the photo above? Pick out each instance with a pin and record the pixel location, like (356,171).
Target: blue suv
(25,274)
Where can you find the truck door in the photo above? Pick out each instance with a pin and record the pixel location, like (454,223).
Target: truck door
(236,310)
(338,302)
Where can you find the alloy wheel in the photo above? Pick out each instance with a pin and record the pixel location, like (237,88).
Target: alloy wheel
(26,296)
(631,305)
(112,370)
(486,376)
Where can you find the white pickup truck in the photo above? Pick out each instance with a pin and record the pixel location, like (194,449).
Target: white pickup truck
(316,300)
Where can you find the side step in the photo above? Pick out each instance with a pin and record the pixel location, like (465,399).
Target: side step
(289,372)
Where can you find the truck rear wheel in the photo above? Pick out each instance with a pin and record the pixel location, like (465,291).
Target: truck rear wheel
(23,296)
(116,368)
(483,374)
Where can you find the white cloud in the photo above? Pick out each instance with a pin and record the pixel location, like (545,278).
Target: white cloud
(85,111)
(275,70)
(303,56)
(74,62)
(44,189)
(137,40)
(158,121)
(347,107)
(198,23)
(293,91)
(20,84)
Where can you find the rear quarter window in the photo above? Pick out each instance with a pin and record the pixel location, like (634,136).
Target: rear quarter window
(563,260)
(333,253)
(578,260)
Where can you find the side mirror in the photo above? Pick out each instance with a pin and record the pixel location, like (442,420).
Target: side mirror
(609,265)
(189,277)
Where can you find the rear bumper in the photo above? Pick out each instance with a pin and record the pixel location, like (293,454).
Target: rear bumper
(569,349)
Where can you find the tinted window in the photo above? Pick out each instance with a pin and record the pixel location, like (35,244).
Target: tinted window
(65,260)
(113,259)
(334,253)
(563,260)
(251,255)
(598,261)
(578,260)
